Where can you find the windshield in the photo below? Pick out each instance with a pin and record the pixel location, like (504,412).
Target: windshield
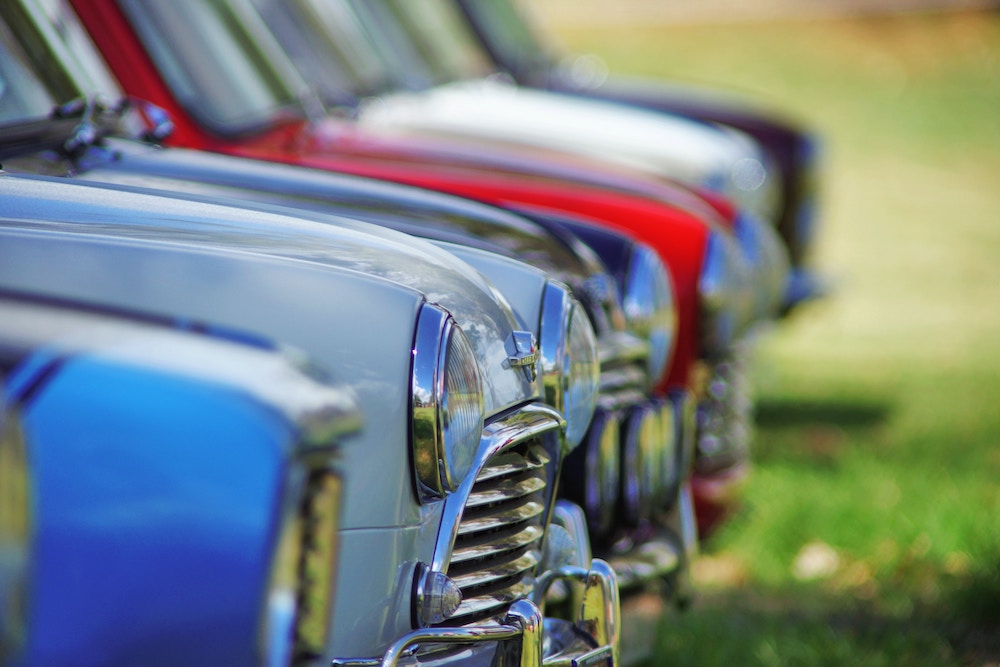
(438,33)
(23,95)
(219,59)
(509,33)
(330,47)
(37,71)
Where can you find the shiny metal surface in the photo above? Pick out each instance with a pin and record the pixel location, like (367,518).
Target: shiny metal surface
(599,614)
(523,637)
(492,527)
(569,383)
(523,352)
(650,310)
(572,518)
(768,262)
(725,293)
(432,459)
(592,473)
(642,454)
(686,424)
(670,456)
(651,561)
(525,615)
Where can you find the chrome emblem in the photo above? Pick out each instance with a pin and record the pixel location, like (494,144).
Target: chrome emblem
(522,352)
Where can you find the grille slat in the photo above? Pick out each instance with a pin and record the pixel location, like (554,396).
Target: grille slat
(479,578)
(526,536)
(504,465)
(480,605)
(499,520)
(503,492)
(498,545)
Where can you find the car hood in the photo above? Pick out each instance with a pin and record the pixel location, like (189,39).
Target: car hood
(479,309)
(422,213)
(693,152)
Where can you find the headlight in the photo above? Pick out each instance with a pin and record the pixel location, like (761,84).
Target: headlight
(768,261)
(591,473)
(642,463)
(447,403)
(15,524)
(299,599)
(649,307)
(724,290)
(670,458)
(570,367)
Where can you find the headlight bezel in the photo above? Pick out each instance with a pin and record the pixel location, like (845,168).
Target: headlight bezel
(443,457)
(724,294)
(569,364)
(650,308)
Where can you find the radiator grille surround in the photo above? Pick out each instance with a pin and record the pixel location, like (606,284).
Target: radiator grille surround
(499,518)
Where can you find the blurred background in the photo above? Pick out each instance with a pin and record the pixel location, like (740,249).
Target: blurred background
(870,534)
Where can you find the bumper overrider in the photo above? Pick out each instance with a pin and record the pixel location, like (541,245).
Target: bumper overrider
(498,547)
(525,637)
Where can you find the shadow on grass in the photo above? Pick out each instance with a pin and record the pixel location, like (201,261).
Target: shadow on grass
(976,598)
(814,432)
(797,413)
(809,627)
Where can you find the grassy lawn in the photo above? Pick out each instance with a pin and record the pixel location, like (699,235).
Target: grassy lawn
(871,531)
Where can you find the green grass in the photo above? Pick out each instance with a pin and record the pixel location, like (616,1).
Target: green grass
(878,450)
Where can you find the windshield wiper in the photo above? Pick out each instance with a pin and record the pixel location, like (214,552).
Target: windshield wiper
(99,118)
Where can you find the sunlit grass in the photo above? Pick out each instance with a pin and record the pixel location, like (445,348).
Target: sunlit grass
(871,529)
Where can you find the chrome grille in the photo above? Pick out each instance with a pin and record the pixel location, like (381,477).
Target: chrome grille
(498,545)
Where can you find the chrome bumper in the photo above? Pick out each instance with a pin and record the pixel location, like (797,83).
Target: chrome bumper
(525,638)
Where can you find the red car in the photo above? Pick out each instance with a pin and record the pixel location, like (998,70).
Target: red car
(226,92)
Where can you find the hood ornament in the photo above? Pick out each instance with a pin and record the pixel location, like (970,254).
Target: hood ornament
(522,352)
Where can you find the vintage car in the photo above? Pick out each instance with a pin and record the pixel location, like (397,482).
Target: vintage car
(629,424)
(184,484)
(464,454)
(506,36)
(712,309)
(449,94)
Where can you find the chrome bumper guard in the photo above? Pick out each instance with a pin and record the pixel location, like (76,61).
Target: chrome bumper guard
(526,638)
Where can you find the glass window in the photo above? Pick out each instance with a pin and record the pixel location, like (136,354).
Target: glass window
(215,56)
(443,39)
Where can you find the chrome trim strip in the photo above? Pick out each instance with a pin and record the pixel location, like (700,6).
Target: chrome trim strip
(509,517)
(482,603)
(525,487)
(529,421)
(553,343)
(495,469)
(523,622)
(521,635)
(479,578)
(622,347)
(429,344)
(520,539)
